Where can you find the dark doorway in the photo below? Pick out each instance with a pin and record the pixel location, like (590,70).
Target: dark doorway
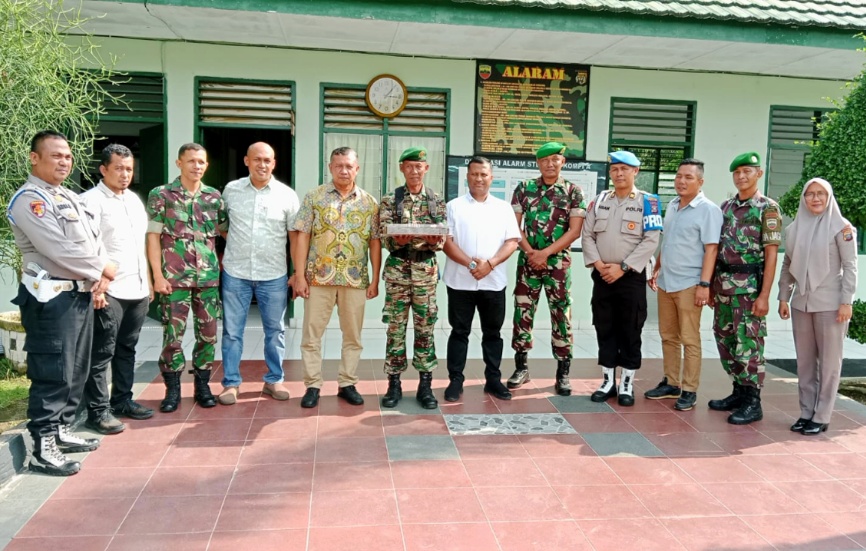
(227,147)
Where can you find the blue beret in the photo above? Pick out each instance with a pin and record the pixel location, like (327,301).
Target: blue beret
(623,157)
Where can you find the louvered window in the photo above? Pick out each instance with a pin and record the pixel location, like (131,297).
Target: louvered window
(139,97)
(347,121)
(245,103)
(660,133)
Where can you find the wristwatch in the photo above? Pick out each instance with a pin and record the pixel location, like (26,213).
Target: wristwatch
(704,284)
(473,265)
(624,266)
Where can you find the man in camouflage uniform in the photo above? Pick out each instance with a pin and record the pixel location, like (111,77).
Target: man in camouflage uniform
(185,217)
(748,247)
(411,274)
(550,211)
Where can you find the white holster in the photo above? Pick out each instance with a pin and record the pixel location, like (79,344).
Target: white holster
(44,289)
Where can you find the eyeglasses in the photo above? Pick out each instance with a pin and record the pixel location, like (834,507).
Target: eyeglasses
(815,195)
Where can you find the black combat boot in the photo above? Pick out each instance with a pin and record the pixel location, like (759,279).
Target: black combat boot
(48,459)
(750,407)
(202,394)
(729,403)
(521,371)
(424,395)
(608,385)
(563,385)
(172,391)
(395,392)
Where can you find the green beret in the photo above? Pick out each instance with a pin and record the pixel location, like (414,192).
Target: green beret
(414,154)
(750,158)
(550,148)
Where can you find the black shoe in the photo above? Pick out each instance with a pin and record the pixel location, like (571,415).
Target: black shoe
(626,388)
(68,442)
(729,403)
(350,394)
(601,396)
(424,394)
(686,401)
(812,428)
(663,391)
(750,407)
(521,371)
(608,381)
(497,390)
(104,423)
(454,390)
(563,385)
(172,391)
(47,459)
(311,398)
(395,392)
(202,394)
(798,426)
(133,410)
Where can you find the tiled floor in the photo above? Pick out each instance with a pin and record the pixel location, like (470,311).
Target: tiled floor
(538,472)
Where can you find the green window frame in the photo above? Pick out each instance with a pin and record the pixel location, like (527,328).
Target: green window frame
(660,132)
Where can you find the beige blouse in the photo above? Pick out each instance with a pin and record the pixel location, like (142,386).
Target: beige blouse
(837,288)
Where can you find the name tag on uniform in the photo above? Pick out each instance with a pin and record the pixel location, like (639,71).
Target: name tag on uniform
(652,214)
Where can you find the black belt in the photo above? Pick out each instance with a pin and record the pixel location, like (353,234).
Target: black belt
(413,255)
(740,268)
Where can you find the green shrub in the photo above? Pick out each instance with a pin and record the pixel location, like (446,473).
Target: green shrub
(857,326)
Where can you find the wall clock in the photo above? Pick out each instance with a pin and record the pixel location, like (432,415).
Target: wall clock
(386,96)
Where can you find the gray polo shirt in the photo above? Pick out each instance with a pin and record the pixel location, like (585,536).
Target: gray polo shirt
(686,232)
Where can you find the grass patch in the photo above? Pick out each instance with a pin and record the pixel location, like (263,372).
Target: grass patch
(14,389)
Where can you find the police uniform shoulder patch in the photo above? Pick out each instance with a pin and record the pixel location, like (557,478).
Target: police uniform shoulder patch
(848,233)
(37,208)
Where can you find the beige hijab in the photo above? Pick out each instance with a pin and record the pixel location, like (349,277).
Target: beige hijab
(809,238)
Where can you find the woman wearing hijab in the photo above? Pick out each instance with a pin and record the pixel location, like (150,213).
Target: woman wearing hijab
(820,271)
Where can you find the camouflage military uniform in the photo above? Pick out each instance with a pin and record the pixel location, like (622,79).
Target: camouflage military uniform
(748,227)
(188,226)
(547,211)
(411,274)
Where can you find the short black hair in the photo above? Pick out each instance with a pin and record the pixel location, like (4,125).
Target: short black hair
(114,149)
(342,152)
(479,160)
(43,135)
(191,146)
(694,162)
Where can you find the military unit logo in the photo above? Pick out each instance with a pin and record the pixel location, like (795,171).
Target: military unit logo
(484,71)
(772,223)
(581,78)
(37,208)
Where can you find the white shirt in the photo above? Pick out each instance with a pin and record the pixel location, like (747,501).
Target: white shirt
(259,224)
(480,230)
(123,223)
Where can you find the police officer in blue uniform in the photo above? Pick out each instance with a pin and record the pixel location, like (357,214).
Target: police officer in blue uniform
(64,262)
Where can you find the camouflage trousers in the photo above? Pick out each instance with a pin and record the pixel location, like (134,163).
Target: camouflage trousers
(174,309)
(740,338)
(399,299)
(556,283)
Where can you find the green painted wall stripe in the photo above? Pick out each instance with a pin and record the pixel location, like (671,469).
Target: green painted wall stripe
(561,20)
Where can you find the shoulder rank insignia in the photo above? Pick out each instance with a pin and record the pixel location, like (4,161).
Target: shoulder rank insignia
(847,233)
(632,195)
(37,208)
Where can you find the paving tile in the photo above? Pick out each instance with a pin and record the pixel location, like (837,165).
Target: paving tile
(342,508)
(555,445)
(403,425)
(718,469)
(173,514)
(678,500)
(454,537)
(369,475)
(715,533)
(57,518)
(272,478)
(852,525)
(481,447)
(152,430)
(414,448)
(160,542)
(598,422)
(290,450)
(218,453)
(243,409)
(657,423)
(436,506)
(540,536)
(783,468)
(535,402)
(799,533)
(366,423)
(644,470)
(119,453)
(264,512)
(214,431)
(517,504)
(14,513)
(351,449)
(358,538)
(94,483)
(477,424)
(601,502)
(824,496)
(646,534)
(262,540)
(841,466)
(621,444)
(746,443)
(189,481)
(65,543)
(576,471)
(429,474)
(504,472)
(754,498)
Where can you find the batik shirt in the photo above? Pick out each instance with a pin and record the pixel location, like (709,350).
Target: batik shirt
(340,232)
(547,212)
(187,224)
(748,227)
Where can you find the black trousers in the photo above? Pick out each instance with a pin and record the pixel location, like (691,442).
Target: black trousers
(59,335)
(461,312)
(618,314)
(115,334)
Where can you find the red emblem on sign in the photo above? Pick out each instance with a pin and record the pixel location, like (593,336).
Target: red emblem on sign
(37,208)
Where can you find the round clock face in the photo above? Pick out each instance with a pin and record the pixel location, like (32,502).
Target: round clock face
(386,95)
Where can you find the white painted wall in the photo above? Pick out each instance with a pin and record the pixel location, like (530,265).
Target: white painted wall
(732,114)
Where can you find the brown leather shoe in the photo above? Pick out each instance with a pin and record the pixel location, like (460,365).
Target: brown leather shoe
(277,391)
(228,396)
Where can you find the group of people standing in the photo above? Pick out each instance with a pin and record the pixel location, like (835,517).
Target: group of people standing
(93,263)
